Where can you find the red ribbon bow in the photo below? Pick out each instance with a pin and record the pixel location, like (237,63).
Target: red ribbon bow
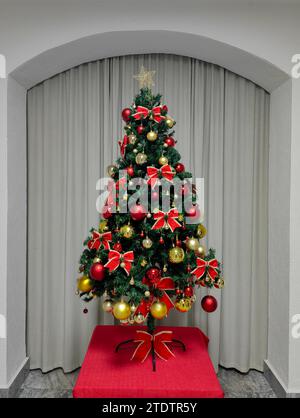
(159,342)
(203,266)
(123,145)
(100,239)
(166,218)
(165,171)
(154,113)
(115,259)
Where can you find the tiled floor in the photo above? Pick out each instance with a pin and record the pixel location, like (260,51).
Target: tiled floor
(57,384)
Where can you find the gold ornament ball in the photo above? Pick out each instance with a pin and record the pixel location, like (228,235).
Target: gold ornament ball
(147,243)
(147,293)
(192,244)
(144,262)
(131,139)
(85,284)
(152,136)
(121,310)
(103,225)
(158,310)
(141,158)
(126,231)
(201,231)
(169,122)
(107,305)
(133,308)
(96,260)
(183,304)
(201,251)
(176,255)
(111,170)
(131,282)
(163,160)
(139,318)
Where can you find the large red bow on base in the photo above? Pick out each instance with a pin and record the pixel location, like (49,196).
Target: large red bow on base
(210,267)
(159,342)
(115,259)
(100,239)
(166,218)
(143,112)
(165,171)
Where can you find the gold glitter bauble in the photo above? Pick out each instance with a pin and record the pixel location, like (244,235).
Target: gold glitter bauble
(147,243)
(158,310)
(192,244)
(107,305)
(183,304)
(127,231)
(85,284)
(131,139)
(141,158)
(152,136)
(201,231)
(121,310)
(111,170)
(163,160)
(144,262)
(103,225)
(169,122)
(176,255)
(201,251)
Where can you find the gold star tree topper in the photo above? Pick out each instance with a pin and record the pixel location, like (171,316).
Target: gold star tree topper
(145,78)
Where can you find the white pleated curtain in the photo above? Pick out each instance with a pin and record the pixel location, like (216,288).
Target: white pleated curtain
(74,124)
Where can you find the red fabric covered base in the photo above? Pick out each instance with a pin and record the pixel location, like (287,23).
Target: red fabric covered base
(106,374)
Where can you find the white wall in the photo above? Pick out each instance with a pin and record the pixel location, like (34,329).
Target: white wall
(279,230)
(16,224)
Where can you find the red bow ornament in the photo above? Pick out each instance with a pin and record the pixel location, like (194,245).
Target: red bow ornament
(158,341)
(154,113)
(100,239)
(166,219)
(210,267)
(154,173)
(116,259)
(123,145)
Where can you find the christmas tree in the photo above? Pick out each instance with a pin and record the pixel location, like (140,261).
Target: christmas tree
(146,256)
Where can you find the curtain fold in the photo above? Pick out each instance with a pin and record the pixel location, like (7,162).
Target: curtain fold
(74,123)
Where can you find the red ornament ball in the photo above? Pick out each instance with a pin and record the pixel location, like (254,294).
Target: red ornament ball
(209,303)
(130,171)
(178,291)
(179,168)
(170,141)
(140,129)
(165,108)
(185,190)
(137,212)
(193,212)
(106,212)
(178,243)
(188,291)
(161,240)
(126,113)
(97,271)
(118,247)
(153,274)
(155,196)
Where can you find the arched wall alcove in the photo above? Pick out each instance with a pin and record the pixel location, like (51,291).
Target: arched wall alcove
(101,45)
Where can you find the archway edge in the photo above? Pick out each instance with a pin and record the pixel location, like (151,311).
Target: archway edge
(118,43)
